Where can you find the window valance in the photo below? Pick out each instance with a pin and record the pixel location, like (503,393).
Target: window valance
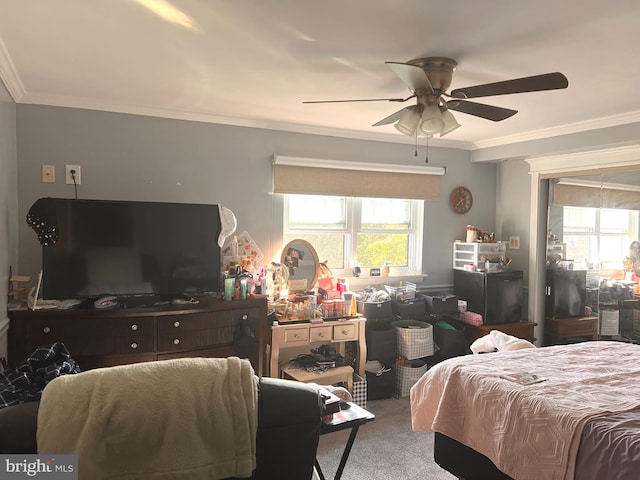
(355,179)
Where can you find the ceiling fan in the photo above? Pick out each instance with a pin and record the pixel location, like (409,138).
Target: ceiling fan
(428,80)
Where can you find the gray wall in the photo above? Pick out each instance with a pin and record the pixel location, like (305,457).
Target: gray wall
(128,157)
(513,202)
(8,205)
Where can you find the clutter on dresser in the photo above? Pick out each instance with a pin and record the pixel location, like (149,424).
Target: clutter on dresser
(242,275)
(18,290)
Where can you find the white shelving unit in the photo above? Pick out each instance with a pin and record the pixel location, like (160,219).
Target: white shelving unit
(477,253)
(557,249)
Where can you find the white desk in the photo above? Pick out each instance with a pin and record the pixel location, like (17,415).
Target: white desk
(291,335)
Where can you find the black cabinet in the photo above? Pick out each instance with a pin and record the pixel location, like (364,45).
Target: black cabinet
(495,296)
(565,293)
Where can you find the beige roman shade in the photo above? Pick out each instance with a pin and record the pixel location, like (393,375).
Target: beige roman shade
(350,179)
(595,197)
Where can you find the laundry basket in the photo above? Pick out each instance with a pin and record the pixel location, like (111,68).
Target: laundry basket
(407,375)
(414,339)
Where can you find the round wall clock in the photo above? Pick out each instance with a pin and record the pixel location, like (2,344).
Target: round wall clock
(461,199)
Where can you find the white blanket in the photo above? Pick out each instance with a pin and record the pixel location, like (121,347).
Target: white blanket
(190,418)
(500,341)
(528,431)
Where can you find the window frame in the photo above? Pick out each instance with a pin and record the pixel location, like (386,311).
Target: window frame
(353,207)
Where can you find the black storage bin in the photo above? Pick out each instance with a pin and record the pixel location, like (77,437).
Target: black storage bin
(413,309)
(441,303)
(374,310)
(381,340)
(450,338)
(381,385)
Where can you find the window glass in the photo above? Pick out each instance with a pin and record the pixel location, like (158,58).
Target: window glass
(386,213)
(366,232)
(599,237)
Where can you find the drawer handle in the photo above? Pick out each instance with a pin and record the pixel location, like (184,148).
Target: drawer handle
(134,327)
(176,324)
(46,330)
(245,317)
(176,341)
(321,335)
(134,345)
(345,332)
(296,335)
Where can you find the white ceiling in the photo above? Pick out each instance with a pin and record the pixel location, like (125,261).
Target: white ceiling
(253,62)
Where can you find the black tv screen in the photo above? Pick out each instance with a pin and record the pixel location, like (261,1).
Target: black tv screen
(131,249)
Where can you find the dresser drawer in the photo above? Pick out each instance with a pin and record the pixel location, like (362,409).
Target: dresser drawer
(571,327)
(110,336)
(345,332)
(202,330)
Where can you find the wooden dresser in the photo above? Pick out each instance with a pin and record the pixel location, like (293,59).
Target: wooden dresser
(523,329)
(102,338)
(570,330)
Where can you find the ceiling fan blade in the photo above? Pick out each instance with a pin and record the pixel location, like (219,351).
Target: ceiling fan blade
(536,83)
(364,100)
(412,76)
(391,118)
(490,112)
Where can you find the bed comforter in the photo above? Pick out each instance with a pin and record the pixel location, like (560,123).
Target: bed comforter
(528,431)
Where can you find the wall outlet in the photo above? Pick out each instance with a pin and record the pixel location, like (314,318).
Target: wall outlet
(48,174)
(70,177)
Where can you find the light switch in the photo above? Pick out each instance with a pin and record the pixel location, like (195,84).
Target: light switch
(48,174)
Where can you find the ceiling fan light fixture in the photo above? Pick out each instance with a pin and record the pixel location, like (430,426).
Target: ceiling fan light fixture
(431,120)
(408,122)
(450,123)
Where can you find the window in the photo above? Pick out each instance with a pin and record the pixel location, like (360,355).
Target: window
(349,231)
(599,236)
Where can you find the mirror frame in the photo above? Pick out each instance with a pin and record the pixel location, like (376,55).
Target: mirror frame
(312,252)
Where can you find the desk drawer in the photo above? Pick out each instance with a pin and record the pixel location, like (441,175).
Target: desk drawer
(320,334)
(296,335)
(345,332)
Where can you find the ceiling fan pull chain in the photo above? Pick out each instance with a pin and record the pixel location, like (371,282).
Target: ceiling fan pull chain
(426,158)
(415,153)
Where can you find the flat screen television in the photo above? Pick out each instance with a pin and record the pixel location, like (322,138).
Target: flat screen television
(124,248)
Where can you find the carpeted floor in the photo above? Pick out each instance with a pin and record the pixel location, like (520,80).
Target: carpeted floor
(384,448)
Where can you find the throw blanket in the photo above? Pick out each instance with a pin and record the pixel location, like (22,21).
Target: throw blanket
(528,431)
(25,382)
(498,341)
(190,418)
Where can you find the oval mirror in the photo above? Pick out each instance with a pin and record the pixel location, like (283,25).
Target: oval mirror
(302,261)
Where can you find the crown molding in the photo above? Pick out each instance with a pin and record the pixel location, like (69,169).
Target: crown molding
(17,91)
(618,158)
(89,104)
(595,124)
(9,75)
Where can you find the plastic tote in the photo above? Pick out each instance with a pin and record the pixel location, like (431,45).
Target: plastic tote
(414,339)
(407,375)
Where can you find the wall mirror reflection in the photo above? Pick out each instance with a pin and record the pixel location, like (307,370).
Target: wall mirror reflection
(593,220)
(592,259)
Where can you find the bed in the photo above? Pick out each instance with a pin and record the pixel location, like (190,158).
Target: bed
(580,419)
